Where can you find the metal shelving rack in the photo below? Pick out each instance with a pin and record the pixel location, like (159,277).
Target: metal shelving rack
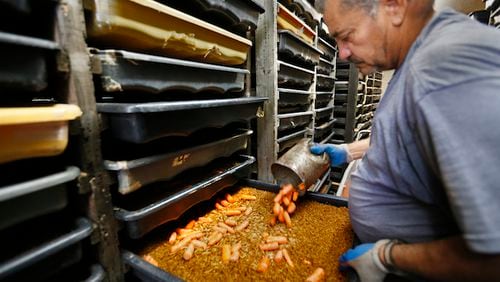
(84,198)
(277,132)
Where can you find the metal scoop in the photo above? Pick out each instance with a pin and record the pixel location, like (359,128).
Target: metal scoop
(298,165)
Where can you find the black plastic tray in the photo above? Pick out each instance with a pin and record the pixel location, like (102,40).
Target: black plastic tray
(140,123)
(237,15)
(22,201)
(290,140)
(339,121)
(144,271)
(292,97)
(327,49)
(125,71)
(340,98)
(373,91)
(66,248)
(179,199)
(28,17)
(324,82)
(324,67)
(290,76)
(340,111)
(295,48)
(294,120)
(25,62)
(134,174)
(323,131)
(342,73)
(323,98)
(342,86)
(147,272)
(324,112)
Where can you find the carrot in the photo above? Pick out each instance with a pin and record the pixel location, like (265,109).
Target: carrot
(248,197)
(287,258)
(279,256)
(203,219)
(317,276)
(281,217)
(285,189)
(302,186)
(263,264)
(188,253)
(288,221)
(230,198)
(191,224)
(269,246)
(278,198)
(276,209)
(180,245)
(295,196)
(219,229)
(219,206)
(232,212)
(228,228)
(231,222)
(224,203)
(226,253)
(291,208)
(183,231)
(272,222)
(278,239)
(248,211)
(199,244)
(242,225)
(214,238)
(235,252)
(172,238)
(286,201)
(192,235)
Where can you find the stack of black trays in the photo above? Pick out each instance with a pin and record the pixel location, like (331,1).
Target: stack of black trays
(178,127)
(43,235)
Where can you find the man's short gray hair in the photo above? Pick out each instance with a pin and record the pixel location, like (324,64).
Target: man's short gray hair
(370,6)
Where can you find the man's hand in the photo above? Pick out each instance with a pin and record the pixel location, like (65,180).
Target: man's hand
(339,154)
(366,261)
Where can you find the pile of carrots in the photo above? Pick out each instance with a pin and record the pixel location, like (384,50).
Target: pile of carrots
(285,204)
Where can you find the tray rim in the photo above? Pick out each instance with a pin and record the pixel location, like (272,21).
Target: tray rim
(128,55)
(20,189)
(127,215)
(159,107)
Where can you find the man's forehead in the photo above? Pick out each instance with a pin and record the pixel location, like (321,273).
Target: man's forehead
(336,17)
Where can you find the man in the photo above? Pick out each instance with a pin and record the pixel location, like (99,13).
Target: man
(430,174)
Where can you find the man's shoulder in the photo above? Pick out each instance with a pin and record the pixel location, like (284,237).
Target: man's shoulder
(454,51)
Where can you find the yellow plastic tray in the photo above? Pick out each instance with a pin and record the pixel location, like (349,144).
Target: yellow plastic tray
(287,20)
(34,132)
(150,27)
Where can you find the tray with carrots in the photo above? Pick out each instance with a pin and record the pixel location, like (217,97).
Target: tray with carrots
(253,232)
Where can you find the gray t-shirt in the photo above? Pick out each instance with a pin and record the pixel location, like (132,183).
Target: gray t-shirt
(433,166)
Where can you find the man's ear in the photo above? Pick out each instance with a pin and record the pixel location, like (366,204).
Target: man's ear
(395,10)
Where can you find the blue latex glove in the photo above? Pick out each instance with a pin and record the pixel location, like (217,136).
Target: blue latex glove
(338,154)
(365,260)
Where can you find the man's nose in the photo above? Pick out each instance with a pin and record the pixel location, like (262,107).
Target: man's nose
(344,51)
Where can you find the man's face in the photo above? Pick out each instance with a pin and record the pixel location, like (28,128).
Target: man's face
(359,36)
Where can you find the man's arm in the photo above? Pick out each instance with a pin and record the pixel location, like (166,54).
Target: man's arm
(446,260)
(357,149)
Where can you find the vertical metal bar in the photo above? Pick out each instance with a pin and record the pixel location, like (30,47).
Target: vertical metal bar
(266,57)
(80,91)
(351,103)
